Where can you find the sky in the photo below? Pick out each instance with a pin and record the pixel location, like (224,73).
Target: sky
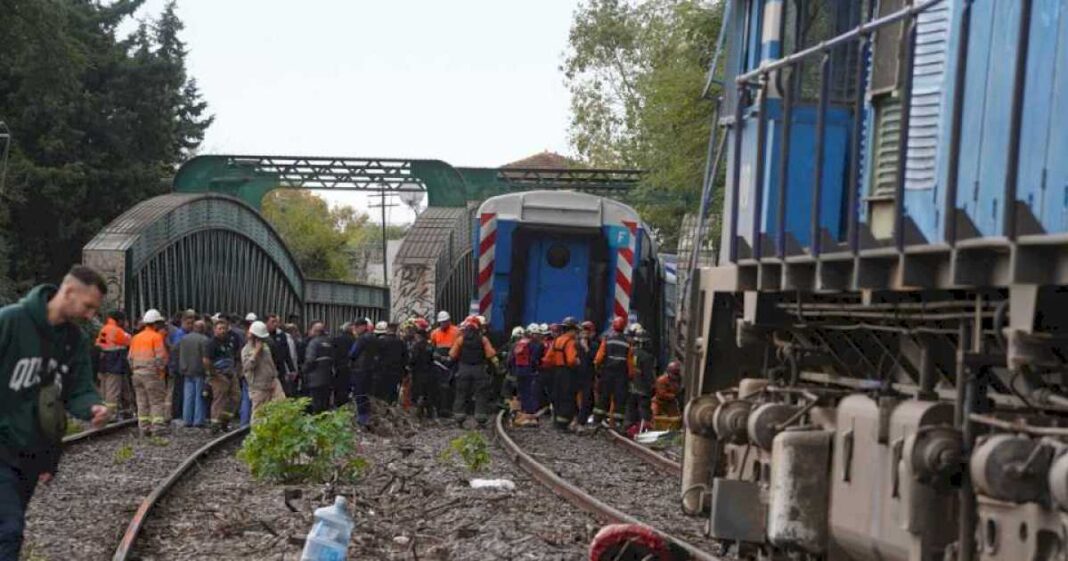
(470,82)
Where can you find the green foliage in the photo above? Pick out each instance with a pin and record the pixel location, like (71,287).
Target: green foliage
(96,121)
(159,441)
(636,71)
(472,449)
(123,454)
(328,243)
(288,445)
(72,427)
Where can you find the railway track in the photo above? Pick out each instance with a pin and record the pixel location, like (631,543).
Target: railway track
(657,460)
(95,433)
(103,476)
(133,529)
(620,507)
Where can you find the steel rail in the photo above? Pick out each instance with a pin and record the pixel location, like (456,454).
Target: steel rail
(92,433)
(582,499)
(657,460)
(125,548)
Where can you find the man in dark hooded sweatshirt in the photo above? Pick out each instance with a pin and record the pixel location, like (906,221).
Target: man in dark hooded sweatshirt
(45,372)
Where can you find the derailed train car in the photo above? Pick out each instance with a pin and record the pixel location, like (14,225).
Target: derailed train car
(878,363)
(545,255)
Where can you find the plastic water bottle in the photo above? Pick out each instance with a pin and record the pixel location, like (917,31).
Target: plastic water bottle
(329,538)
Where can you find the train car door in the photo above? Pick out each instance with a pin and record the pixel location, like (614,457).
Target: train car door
(557,279)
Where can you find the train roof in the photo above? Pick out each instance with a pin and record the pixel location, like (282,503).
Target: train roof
(564,208)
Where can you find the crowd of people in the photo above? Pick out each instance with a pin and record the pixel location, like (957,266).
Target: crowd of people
(208,371)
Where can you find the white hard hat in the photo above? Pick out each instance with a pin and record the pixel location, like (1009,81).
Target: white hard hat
(259,329)
(443,316)
(517,331)
(533,328)
(381,327)
(153,316)
(482,320)
(251,317)
(543,329)
(635,328)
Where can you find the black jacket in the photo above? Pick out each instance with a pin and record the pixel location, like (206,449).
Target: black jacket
(364,353)
(279,345)
(393,353)
(421,358)
(319,363)
(342,345)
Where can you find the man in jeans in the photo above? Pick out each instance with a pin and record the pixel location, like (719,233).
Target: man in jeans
(192,350)
(44,368)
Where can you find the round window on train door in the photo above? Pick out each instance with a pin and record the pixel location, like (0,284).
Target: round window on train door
(558,256)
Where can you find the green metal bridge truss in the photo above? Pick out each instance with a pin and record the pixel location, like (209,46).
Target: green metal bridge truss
(251,177)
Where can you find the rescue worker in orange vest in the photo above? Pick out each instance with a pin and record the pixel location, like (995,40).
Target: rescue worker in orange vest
(521,364)
(472,350)
(562,360)
(114,344)
(612,360)
(442,340)
(148,361)
(666,411)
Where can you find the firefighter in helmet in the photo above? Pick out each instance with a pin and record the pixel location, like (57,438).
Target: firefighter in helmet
(612,362)
(472,350)
(666,410)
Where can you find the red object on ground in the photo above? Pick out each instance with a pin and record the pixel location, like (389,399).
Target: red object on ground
(628,542)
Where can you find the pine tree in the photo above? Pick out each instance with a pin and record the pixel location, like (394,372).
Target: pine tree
(96,120)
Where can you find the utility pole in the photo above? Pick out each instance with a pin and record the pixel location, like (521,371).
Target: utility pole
(385,262)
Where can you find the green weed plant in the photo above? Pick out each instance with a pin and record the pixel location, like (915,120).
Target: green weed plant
(288,445)
(472,449)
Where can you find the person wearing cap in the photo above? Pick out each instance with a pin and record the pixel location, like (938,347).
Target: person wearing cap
(113,343)
(442,340)
(562,360)
(421,365)
(393,360)
(259,368)
(319,367)
(472,351)
(364,357)
(192,350)
(148,361)
(222,365)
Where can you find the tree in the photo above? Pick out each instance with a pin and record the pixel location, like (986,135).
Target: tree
(328,243)
(305,223)
(636,71)
(96,122)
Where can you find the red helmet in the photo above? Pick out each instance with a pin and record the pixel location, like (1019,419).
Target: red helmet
(473,322)
(588,326)
(674,367)
(421,324)
(619,323)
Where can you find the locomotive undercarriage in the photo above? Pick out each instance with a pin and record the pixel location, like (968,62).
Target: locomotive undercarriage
(881,425)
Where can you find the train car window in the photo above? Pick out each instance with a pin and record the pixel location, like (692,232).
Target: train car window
(808,22)
(558,256)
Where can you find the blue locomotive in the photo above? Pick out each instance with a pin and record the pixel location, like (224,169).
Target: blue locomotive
(878,362)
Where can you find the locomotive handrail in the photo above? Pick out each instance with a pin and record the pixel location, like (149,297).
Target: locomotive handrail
(864,28)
